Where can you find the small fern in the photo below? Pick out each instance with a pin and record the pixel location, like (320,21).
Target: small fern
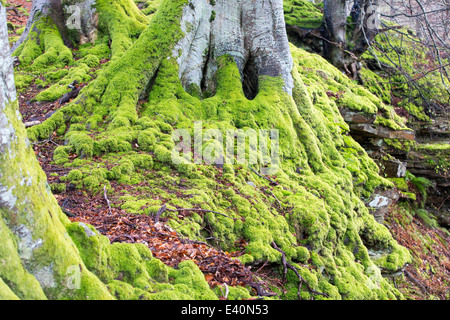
(421,184)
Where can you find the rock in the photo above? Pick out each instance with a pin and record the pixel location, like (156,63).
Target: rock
(250,183)
(351,116)
(377,131)
(380,202)
(394,168)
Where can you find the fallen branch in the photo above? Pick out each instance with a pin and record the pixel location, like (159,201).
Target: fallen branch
(200,210)
(160,212)
(69,96)
(66,211)
(260,291)
(279,203)
(287,265)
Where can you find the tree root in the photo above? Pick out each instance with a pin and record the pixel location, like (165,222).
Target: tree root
(287,265)
(200,210)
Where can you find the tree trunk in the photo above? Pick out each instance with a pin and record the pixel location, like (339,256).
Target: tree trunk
(338,47)
(55,25)
(365,16)
(75,19)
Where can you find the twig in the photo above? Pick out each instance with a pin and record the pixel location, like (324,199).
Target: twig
(279,203)
(259,290)
(257,271)
(32,124)
(107,201)
(227,290)
(448,197)
(160,212)
(300,278)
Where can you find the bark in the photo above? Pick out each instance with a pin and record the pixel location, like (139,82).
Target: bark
(252,32)
(342,42)
(7,89)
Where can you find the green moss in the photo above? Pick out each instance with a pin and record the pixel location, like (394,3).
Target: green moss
(302,13)
(190,279)
(158,270)
(75,175)
(400,183)
(122,21)
(44,130)
(23,80)
(132,273)
(15,281)
(78,74)
(91,60)
(427,218)
(39,255)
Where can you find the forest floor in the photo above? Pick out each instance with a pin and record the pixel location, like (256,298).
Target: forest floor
(428,277)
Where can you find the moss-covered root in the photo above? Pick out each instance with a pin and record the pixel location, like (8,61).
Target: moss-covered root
(131,272)
(43,47)
(122,21)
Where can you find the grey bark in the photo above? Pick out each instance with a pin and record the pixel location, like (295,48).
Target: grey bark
(365,16)
(252,32)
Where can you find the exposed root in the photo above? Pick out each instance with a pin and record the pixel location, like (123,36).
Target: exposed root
(287,265)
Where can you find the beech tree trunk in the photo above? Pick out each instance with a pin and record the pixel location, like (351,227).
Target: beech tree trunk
(252,32)
(335,26)
(338,47)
